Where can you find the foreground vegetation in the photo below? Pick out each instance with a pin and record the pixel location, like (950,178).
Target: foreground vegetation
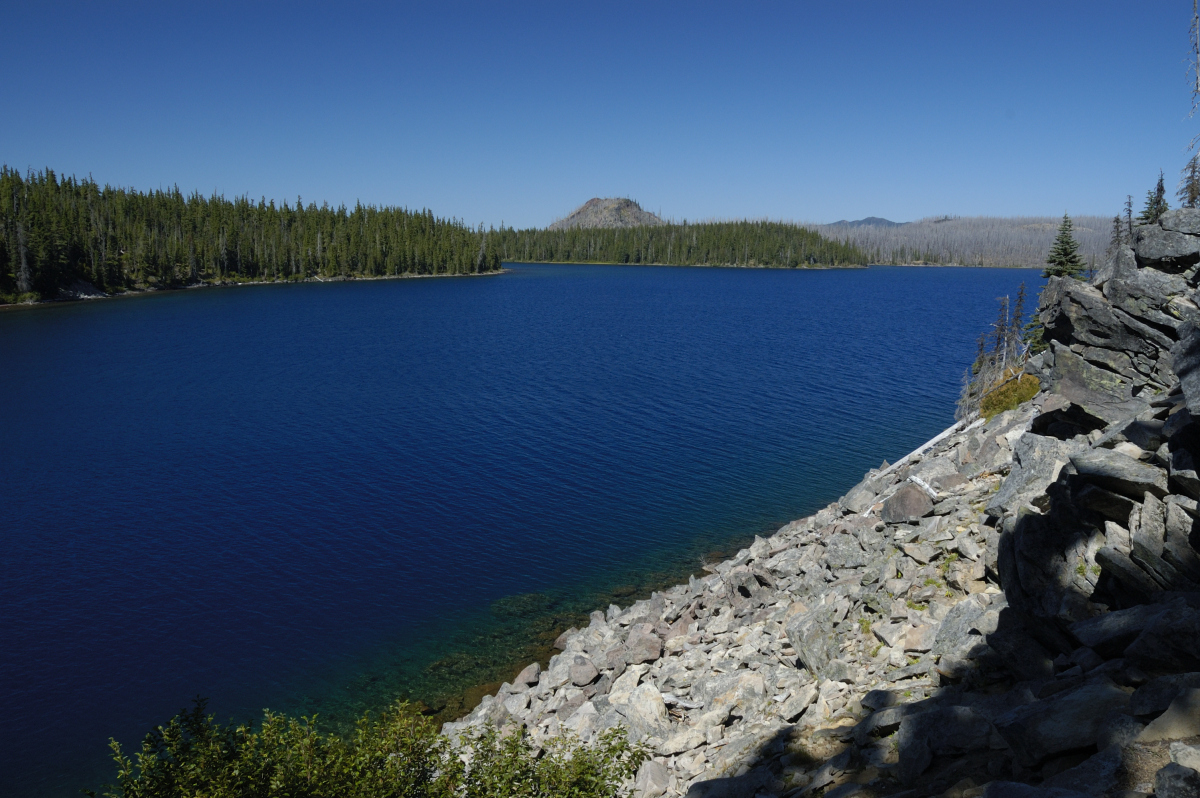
(742,243)
(398,754)
(55,231)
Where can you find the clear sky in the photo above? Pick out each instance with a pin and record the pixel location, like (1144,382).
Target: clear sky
(518,113)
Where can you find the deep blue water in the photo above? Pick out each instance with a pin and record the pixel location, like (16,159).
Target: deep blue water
(300,496)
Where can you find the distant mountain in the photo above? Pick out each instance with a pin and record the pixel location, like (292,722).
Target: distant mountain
(870,221)
(610,212)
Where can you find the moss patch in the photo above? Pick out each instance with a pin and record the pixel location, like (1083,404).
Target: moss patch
(1009,395)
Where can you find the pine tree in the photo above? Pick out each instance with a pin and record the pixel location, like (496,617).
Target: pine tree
(1156,203)
(1118,235)
(1189,183)
(1064,260)
(1128,217)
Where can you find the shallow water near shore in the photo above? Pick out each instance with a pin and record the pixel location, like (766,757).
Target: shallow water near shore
(319,497)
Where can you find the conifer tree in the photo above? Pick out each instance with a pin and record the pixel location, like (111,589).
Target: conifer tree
(1064,259)
(1156,203)
(1118,236)
(1189,183)
(1128,217)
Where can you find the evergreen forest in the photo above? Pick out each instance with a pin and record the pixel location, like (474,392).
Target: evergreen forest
(56,231)
(740,243)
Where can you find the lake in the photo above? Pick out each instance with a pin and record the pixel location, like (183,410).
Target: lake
(318,497)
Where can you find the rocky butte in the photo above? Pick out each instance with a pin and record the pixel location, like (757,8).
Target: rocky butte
(1012,610)
(611,212)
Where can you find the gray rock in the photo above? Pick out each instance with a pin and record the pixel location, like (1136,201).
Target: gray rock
(1177,549)
(843,551)
(646,712)
(1181,720)
(1176,781)
(1015,789)
(954,634)
(529,675)
(1151,530)
(1037,461)
(1183,472)
(1181,220)
(1186,755)
(642,646)
(583,672)
(1118,729)
(940,732)
(812,634)
(1165,249)
(1118,264)
(859,499)
(652,779)
(1120,473)
(795,704)
(1096,775)
(1156,695)
(1171,643)
(1185,358)
(1119,566)
(736,692)
(907,504)
(881,723)
(1097,391)
(747,785)
(1065,722)
(1111,632)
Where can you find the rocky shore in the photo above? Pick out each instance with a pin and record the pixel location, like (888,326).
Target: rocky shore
(1011,610)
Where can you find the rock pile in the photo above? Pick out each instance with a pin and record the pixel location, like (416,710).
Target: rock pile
(1011,610)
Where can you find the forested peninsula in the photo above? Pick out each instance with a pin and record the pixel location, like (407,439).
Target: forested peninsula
(62,233)
(742,243)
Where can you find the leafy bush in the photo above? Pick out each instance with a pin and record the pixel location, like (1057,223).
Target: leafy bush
(398,754)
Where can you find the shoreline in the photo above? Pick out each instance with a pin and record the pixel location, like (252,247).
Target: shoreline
(230,284)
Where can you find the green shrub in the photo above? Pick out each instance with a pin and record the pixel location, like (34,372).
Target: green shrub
(398,754)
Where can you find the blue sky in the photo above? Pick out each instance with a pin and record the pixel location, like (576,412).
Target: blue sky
(518,113)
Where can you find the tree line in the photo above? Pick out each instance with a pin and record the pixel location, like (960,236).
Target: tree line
(970,240)
(740,243)
(57,231)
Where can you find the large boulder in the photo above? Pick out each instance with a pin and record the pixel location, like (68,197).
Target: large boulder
(1181,220)
(816,642)
(1170,643)
(1037,461)
(1099,392)
(1067,721)
(907,504)
(1096,776)
(1110,633)
(843,551)
(1176,781)
(947,731)
(1168,250)
(1120,473)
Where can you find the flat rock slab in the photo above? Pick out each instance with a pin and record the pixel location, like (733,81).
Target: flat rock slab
(1065,722)
(1096,775)
(1111,632)
(1120,473)
(1181,720)
(1157,694)
(1171,644)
